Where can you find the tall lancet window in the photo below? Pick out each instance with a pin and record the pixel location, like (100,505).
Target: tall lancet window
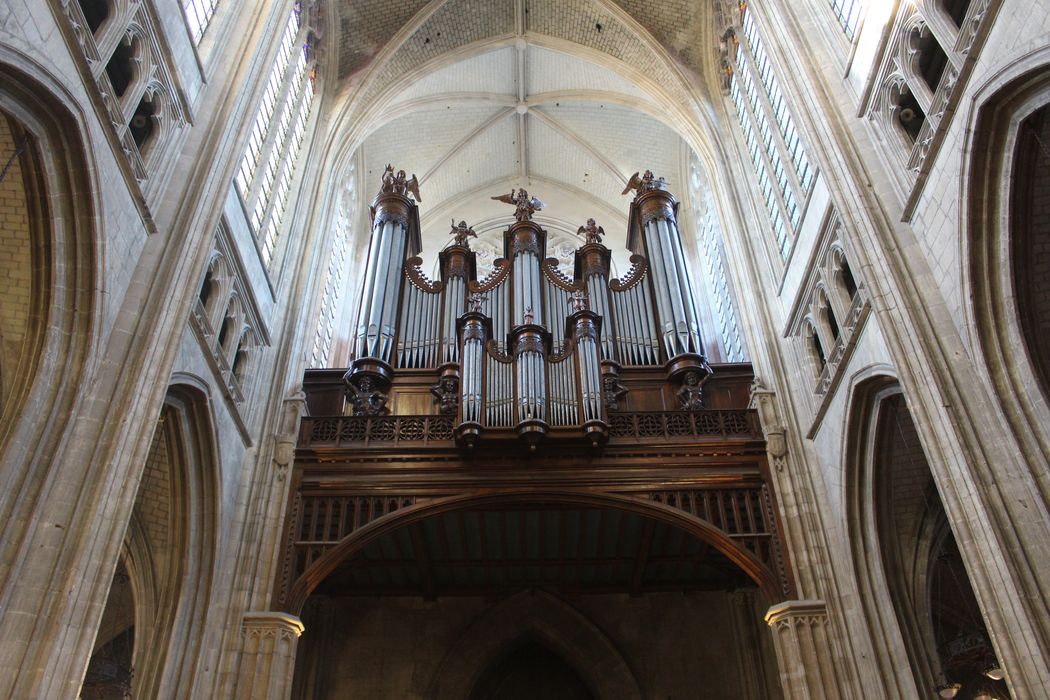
(336,274)
(848,14)
(198,16)
(714,275)
(264,178)
(785,175)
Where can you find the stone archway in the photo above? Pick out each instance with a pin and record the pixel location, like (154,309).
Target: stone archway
(914,589)
(554,624)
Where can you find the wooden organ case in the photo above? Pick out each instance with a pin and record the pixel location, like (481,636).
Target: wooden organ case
(523,391)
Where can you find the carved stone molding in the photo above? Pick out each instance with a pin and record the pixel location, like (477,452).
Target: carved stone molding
(268,655)
(272,625)
(776,435)
(805,657)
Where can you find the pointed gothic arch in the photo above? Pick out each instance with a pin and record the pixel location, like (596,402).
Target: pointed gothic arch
(914,590)
(60,262)
(1000,250)
(552,623)
(169,552)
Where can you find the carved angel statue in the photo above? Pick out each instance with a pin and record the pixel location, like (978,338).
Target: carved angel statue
(612,392)
(579,301)
(647,181)
(592,232)
(525,206)
(446,395)
(366,398)
(530,317)
(691,394)
(400,183)
(474,302)
(462,232)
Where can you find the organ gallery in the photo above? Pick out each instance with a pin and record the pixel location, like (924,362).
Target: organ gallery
(536,431)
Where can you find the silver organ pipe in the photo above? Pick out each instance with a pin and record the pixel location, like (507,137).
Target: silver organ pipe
(692,318)
(564,404)
(661,285)
(529,345)
(586,336)
(598,294)
(417,328)
(650,338)
(368,290)
(395,236)
(680,321)
(454,305)
(634,328)
(655,209)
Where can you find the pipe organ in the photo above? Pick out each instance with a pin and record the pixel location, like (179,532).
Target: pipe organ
(528,350)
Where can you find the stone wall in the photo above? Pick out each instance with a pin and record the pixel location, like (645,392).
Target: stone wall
(676,645)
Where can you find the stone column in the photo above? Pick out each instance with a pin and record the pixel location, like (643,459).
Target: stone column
(801,637)
(268,656)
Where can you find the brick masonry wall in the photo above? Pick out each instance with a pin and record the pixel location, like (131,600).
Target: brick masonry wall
(153,503)
(15,261)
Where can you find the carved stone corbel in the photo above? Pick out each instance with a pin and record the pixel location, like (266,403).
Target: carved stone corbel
(292,409)
(762,400)
(802,639)
(268,655)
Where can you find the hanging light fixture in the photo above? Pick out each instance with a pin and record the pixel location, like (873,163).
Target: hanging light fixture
(947,689)
(994,670)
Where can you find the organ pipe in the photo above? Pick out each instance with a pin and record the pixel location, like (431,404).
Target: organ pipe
(498,340)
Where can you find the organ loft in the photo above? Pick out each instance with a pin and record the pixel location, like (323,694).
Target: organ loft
(533,431)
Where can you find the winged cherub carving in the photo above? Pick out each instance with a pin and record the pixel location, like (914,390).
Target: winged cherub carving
(462,232)
(647,181)
(525,206)
(400,183)
(592,231)
(579,300)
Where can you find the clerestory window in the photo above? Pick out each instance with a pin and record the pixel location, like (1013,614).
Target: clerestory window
(785,175)
(264,178)
(848,14)
(198,15)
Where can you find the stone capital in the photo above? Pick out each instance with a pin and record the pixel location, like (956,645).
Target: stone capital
(276,625)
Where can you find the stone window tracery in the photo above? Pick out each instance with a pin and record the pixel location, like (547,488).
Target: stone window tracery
(712,259)
(198,15)
(785,175)
(264,179)
(335,276)
(227,322)
(927,44)
(830,308)
(848,14)
(125,56)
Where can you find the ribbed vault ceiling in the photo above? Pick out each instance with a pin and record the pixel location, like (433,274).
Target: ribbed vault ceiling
(566,98)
